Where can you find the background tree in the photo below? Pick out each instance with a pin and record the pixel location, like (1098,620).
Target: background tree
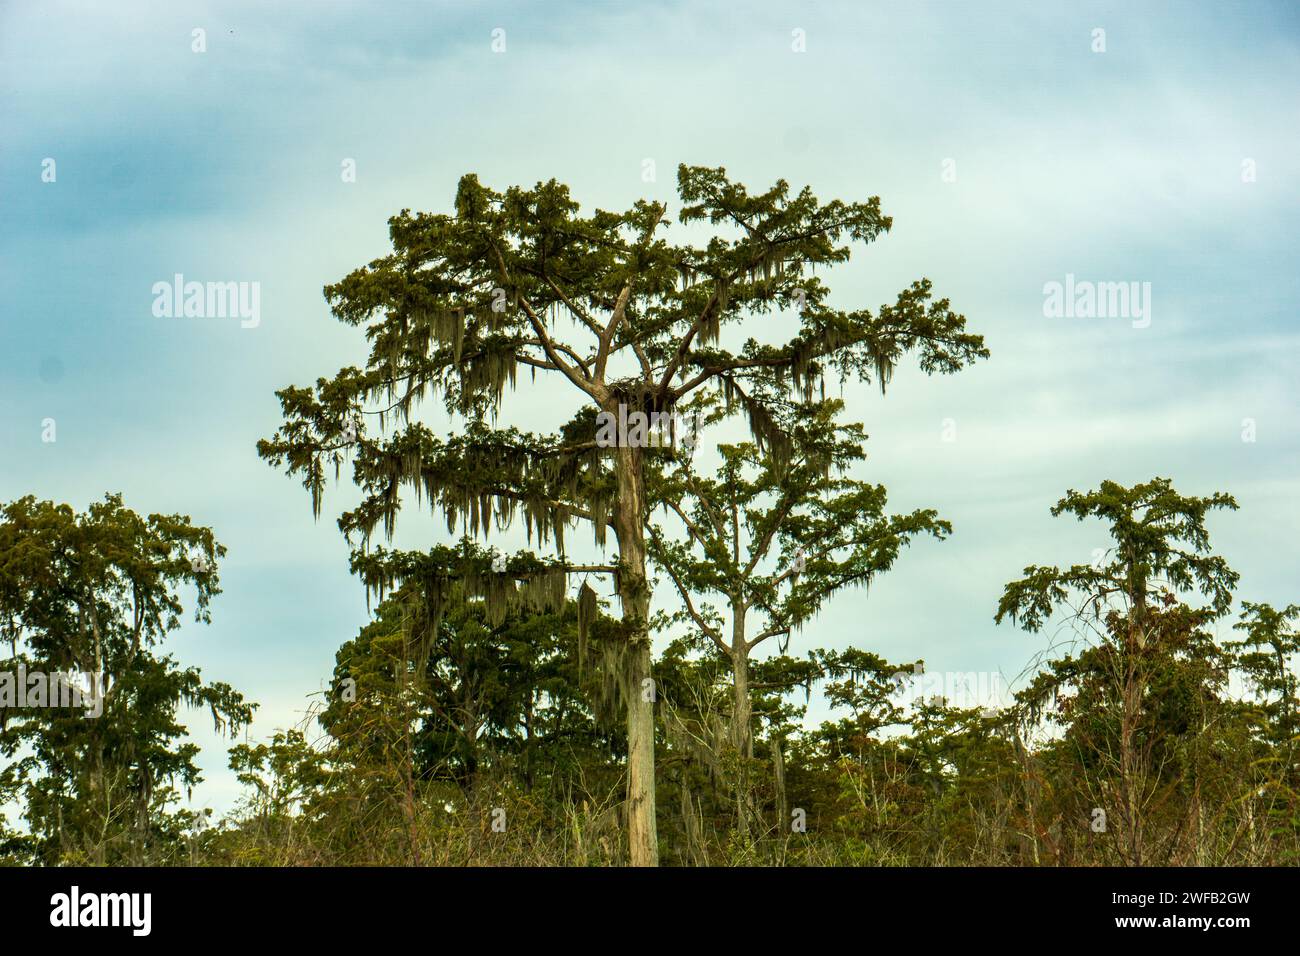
(774,538)
(426,734)
(1265,657)
(466,300)
(1126,601)
(96,593)
(505,699)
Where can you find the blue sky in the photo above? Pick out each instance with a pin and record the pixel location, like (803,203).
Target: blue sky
(1125,165)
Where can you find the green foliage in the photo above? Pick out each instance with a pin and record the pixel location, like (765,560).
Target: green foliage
(474,719)
(507,281)
(96,593)
(1132,712)
(1160,544)
(780,538)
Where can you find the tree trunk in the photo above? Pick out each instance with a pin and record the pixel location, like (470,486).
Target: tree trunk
(1131,776)
(778,780)
(1132,769)
(634,593)
(742,735)
(742,712)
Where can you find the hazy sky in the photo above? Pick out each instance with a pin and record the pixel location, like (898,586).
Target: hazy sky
(1172,158)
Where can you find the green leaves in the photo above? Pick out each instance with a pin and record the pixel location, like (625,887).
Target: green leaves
(523,278)
(447,576)
(1161,543)
(95,593)
(1265,655)
(750,525)
(62,573)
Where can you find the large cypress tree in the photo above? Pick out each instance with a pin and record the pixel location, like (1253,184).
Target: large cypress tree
(634,323)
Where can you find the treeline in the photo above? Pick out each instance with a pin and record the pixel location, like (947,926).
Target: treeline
(508,707)
(500,745)
(495,739)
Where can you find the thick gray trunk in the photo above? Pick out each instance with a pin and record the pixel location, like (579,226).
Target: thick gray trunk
(742,732)
(634,593)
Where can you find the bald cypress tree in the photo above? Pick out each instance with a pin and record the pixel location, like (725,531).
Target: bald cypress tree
(1129,603)
(521,280)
